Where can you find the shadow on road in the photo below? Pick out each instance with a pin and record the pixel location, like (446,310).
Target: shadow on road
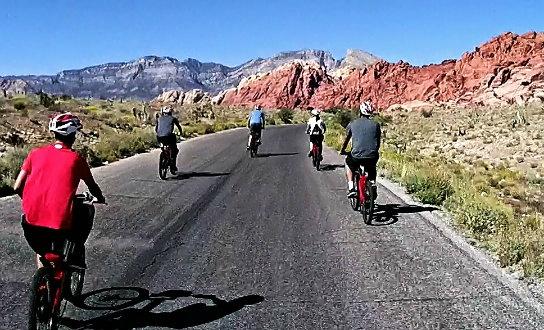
(185,176)
(265,155)
(119,312)
(331,167)
(388,214)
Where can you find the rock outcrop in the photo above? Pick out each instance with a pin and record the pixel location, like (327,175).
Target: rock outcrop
(14,87)
(508,69)
(179,97)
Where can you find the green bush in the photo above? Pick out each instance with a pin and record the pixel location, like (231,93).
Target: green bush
(286,115)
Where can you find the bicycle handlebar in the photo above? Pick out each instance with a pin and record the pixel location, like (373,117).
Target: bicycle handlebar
(87,197)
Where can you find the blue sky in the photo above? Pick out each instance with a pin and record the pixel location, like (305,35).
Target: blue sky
(45,37)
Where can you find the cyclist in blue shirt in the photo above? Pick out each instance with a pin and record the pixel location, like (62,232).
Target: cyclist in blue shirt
(255,123)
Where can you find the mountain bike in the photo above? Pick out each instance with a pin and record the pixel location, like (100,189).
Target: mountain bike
(316,156)
(363,201)
(59,279)
(165,160)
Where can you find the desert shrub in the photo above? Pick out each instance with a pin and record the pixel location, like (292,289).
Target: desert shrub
(45,99)
(10,164)
(343,117)
(209,129)
(481,215)
(286,115)
(427,113)
(19,105)
(112,147)
(431,187)
(270,121)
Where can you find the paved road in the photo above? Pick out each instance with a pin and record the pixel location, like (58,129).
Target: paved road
(261,243)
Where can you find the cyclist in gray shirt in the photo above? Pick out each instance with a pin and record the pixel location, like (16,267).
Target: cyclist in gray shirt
(165,134)
(365,135)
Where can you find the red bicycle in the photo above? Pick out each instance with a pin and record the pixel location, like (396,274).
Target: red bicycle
(57,280)
(363,201)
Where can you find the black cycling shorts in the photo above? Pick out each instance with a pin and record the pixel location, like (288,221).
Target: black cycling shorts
(368,163)
(255,129)
(43,239)
(169,140)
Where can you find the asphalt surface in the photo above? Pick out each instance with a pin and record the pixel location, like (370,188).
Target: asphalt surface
(265,243)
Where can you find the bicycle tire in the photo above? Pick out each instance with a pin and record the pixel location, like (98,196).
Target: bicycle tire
(40,314)
(354,201)
(369,205)
(163,165)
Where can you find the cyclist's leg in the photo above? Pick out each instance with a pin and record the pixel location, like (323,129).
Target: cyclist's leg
(172,141)
(259,132)
(82,224)
(312,141)
(40,239)
(370,166)
(320,145)
(351,166)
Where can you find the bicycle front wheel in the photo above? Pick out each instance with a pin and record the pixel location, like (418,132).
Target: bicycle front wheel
(41,302)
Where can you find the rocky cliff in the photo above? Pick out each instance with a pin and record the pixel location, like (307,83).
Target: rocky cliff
(147,77)
(507,69)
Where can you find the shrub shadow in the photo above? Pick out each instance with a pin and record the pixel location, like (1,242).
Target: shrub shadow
(387,214)
(117,304)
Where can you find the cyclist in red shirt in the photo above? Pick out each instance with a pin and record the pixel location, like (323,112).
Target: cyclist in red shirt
(48,183)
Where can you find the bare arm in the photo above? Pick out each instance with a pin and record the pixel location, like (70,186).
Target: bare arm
(176,122)
(346,141)
(20,183)
(94,189)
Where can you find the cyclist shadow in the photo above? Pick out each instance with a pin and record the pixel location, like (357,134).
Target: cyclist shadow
(121,313)
(331,167)
(266,155)
(188,175)
(388,214)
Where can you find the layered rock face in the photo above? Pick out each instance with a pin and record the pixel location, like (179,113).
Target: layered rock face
(505,70)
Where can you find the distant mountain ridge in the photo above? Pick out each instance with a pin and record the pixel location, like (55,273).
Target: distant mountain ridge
(147,77)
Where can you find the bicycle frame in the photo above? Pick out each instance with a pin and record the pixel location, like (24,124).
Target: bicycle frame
(361,185)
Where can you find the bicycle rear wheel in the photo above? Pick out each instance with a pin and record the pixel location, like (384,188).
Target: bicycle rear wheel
(369,204)
(164,164)
(41,302)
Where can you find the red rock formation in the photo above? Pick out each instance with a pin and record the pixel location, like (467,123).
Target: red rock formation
(506,69)
(289,86)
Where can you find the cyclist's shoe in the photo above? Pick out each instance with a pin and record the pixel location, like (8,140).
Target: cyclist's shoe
(247,147)
(173,170)
(352,193)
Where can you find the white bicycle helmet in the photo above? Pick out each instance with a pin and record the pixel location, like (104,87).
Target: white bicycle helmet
(315,112)
(366,109)
(65,124)
(166,110)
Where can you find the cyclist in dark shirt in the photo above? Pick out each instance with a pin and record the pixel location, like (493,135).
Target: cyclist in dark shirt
(165,134)
(365,136)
